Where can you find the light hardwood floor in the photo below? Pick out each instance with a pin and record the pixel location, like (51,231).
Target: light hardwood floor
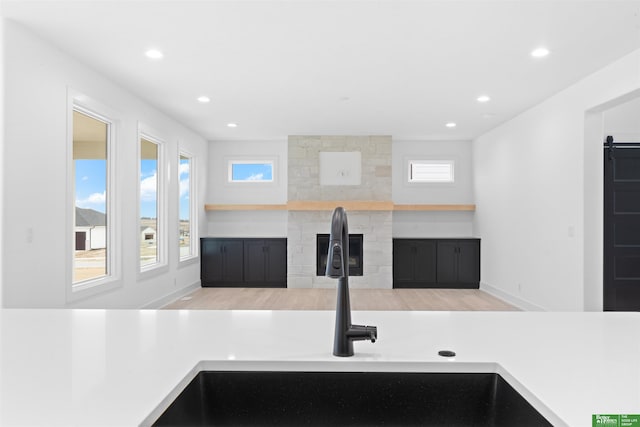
(325,299)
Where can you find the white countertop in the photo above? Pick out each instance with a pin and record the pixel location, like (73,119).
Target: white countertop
(114,367)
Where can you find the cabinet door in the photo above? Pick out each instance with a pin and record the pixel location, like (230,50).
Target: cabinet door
(403,261)
(469,261)
(447,261)
(414,263)
(233,257)
(276,266)
(210,261)
(254,261)
(265,262)
(425,262)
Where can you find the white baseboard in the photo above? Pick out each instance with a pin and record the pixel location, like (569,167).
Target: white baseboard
(522,304)
(169,298)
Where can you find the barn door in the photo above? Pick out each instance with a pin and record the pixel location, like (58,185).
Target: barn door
(621,226)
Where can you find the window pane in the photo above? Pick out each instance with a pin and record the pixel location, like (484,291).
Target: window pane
(246,171)
(90,139)
(148,203)
(185,207)
(431,171)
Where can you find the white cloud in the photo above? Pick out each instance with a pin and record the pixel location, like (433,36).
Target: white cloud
(148,188)
(98,197)
(94,200)
(183,169)
(85,178)
(184,188)
(148,174)
(256,177)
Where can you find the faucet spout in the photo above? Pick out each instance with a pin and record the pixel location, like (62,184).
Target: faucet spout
(338,268)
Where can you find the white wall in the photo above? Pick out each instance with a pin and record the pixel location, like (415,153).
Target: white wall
(432,224)
(539,195)
(274,223)
(38,77)
(461,192)
(247,223)
(413,224)
(220,191)
(623,121)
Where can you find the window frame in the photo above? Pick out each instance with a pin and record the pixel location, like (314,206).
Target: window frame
(162,260)
(193,212)
(83,104)
(253,160)
(442,161)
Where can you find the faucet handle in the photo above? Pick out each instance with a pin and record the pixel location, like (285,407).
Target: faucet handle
(359,333)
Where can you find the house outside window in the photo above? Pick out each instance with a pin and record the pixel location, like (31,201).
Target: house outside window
(92,241)
(151,210)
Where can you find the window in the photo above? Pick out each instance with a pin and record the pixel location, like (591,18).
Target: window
(187,236)
(151,198)
(92,195)
(431,171)
(250,171)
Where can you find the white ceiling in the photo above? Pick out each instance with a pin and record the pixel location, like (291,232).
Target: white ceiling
(278,68)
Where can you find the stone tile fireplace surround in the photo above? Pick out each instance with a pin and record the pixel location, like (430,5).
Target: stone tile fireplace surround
(304,225)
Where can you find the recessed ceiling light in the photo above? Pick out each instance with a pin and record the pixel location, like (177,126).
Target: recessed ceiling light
(204,99)
(232,125)
(154,54)
(450,125)
(540,52)
(483,98)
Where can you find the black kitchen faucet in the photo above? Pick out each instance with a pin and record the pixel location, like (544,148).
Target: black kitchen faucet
(338,268)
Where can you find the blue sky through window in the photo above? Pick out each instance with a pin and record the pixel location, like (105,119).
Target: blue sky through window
(91,176)
(91,184)
(184,175)
(148,188)
(252,172)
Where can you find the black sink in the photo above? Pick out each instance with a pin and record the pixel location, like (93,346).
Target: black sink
(249,398)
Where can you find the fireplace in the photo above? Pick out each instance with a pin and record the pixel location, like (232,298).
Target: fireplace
(355,254)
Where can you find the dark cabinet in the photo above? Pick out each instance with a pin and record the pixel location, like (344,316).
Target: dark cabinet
(436,263)
(458,262)
(265,261)
(243,262)
(414,263)
(221,260)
